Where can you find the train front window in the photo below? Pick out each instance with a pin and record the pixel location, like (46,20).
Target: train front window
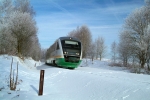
(71,42)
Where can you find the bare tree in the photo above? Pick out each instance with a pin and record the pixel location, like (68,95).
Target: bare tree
(86,39)
(74,33)
(125,48)
(43,54)
(84,35)
(92,51)
(114,51)
(100,47)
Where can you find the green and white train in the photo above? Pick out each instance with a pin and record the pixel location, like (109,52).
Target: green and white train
(65,52)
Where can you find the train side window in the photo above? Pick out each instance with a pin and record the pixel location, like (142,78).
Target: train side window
(57,46)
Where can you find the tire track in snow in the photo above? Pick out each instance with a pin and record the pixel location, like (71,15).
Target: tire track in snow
(132,92)
(128,93)
(52,75)
(136,90)
(125,97)
(148,88)
(110,76)
(87,84)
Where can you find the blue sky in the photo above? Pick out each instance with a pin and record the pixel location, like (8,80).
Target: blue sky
(56,18)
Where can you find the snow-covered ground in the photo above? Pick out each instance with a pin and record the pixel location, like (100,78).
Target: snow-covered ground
(95,81)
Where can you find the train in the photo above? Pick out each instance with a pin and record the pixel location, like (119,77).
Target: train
(66,52)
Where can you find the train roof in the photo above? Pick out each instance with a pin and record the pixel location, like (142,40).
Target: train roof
(69,38)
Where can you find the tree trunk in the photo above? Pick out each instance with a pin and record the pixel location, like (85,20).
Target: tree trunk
(125,61)
(100,57)
(19,48)
(148,66)
(142,62)
(142,58)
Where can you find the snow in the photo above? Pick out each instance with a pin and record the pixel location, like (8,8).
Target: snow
(96,81)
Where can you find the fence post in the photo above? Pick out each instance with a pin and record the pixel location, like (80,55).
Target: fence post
(41,83)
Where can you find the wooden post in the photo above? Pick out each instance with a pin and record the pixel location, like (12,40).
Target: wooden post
(41,83)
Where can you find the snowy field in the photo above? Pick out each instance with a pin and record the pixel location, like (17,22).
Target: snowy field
(95,81)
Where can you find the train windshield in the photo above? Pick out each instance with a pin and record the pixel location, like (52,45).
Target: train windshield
(71,42)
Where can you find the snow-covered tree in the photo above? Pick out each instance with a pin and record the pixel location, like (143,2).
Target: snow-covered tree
(147,2)
(18,31)
(6,8)
(137,23)
(5,38)
(24,6)
(22,27)
(148,47)
(136,31)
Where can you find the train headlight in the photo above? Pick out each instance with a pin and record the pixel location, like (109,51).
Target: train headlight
(77,53)
(65,52)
